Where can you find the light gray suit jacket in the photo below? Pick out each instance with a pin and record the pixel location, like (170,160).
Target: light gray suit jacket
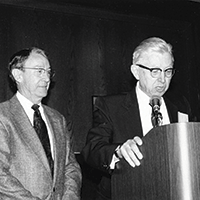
(24,169)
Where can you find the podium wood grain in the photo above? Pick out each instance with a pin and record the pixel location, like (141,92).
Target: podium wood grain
(170,169)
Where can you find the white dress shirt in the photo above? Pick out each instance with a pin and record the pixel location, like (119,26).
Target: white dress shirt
(26,104)
(146,110)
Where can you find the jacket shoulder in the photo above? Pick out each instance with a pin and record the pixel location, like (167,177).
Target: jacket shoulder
(53,111)
(111,100)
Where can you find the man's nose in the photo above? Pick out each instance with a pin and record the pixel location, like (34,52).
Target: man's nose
(162,76)
(46,76)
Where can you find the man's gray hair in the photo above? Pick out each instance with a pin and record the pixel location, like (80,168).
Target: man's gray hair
(154,44)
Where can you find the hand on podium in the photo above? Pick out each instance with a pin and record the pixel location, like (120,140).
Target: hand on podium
(130,151)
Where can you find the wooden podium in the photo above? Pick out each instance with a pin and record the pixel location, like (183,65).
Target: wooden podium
(169,170)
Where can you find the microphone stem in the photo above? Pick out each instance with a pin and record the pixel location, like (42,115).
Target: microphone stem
(157,119)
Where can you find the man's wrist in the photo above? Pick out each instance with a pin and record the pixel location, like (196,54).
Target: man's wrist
(118,152)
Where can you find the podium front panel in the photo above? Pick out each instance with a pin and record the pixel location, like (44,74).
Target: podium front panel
(169,170)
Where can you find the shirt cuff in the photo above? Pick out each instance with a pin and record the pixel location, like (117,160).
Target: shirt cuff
(114,159)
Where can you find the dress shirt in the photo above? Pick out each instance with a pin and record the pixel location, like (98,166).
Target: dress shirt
(146,110)
(26,104)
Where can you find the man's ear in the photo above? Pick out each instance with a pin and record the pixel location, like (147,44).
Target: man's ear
(17,75)
(134,71)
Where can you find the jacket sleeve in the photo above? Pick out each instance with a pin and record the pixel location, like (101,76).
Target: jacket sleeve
(99,148)
(10,186)
(73,176)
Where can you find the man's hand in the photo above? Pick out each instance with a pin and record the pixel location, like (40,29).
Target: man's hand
(130,151)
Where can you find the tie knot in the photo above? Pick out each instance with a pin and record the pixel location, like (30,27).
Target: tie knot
(35,107)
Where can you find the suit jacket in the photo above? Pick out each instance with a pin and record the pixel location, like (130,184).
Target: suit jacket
(24,169)
(116,119)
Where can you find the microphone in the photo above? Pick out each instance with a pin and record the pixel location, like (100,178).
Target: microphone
(155,103)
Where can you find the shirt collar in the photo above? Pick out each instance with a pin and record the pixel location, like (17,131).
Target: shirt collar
(142,97)
(26,103)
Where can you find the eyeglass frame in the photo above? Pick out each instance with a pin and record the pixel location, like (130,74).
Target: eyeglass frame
(159,69)
(50,72)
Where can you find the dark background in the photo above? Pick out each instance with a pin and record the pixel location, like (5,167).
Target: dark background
(90,45)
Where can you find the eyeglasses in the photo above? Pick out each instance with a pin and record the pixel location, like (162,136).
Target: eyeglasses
(155,72)
(39,72)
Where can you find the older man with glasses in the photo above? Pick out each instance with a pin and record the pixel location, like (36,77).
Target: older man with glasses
(36,157)
(121,121)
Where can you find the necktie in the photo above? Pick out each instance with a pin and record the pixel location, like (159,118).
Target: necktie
(41,130)
(156,116)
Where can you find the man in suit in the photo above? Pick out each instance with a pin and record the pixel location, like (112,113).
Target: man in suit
(120,121)
(26,172)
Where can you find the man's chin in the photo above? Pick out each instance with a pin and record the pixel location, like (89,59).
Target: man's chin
(43,94)
(159,94)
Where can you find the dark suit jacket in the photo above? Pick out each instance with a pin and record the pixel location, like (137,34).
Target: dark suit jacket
(116,119)
(24,169)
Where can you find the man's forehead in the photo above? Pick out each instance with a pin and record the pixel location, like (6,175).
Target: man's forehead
(36,58)
(149,52)
(37,55)
(151,55)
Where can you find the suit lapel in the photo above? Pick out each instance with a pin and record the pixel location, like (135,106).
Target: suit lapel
(172,111)
(53,123)
(28,134)
(132,115)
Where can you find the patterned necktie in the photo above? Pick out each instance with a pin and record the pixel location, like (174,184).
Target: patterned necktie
(156,116)
(41,130)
